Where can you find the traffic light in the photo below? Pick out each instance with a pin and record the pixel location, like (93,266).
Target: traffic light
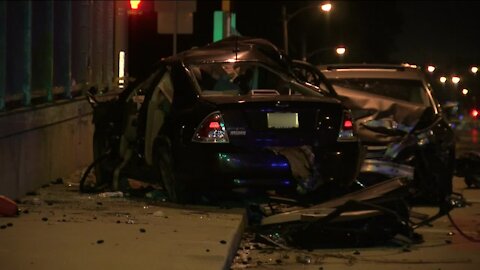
(135,4)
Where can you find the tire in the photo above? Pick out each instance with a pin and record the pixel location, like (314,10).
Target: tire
(100,149)
(472,180)
(171,182)
(437,181)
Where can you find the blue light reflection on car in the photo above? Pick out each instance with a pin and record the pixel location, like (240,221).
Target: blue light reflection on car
(279,164)
(264,140)
(266,110)
(286,182)
(237,181)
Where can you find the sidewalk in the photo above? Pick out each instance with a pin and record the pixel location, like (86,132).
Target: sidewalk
(59,228)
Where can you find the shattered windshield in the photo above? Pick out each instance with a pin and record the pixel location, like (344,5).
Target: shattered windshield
(406,90)
(244,78)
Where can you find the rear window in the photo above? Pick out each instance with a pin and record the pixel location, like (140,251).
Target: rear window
(244,78)
(406,90)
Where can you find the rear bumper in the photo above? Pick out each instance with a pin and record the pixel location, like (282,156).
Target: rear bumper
(222,166)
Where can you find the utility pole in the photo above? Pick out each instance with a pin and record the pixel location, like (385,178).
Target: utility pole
(285,28)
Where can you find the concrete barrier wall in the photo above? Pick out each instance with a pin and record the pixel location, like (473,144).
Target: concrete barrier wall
(38,145)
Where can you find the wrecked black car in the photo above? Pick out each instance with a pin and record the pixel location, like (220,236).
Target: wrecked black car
(227,115)
(400,123)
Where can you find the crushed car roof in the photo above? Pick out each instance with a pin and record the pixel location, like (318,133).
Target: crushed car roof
(233,49)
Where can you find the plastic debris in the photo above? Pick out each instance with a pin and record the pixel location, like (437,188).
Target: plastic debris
(304,259)
(57,181)
(113,194)
(158,213)
(8,208)
(36,201)
(157,195)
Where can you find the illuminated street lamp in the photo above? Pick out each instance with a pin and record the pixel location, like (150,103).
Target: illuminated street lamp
(431,68)
(455,79)
(465,91)
(443,79)
(474,70)
(326,7)
(341,50)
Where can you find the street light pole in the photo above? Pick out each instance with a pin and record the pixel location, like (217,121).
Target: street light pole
(285,28)
(286,18)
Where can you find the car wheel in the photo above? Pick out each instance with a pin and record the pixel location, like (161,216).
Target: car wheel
(472,180)
(101,148)
(172,183)
(436,183)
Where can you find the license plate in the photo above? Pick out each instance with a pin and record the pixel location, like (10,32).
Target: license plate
(282,120)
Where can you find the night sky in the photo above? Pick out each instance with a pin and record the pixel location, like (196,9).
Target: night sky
(443,33)
(440,32)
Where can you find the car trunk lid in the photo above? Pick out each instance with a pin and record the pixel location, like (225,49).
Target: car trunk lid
(263,121)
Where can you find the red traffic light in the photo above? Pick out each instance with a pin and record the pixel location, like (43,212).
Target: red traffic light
(134,4)
(474,113)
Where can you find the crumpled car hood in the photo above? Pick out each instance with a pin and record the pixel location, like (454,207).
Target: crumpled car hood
(380,120)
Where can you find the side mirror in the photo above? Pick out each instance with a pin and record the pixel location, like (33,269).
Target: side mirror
(450,109)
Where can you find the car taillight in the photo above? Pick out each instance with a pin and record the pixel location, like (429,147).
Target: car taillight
(211,130)
(346,129)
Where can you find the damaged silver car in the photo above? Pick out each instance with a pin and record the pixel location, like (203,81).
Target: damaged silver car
(400,123)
